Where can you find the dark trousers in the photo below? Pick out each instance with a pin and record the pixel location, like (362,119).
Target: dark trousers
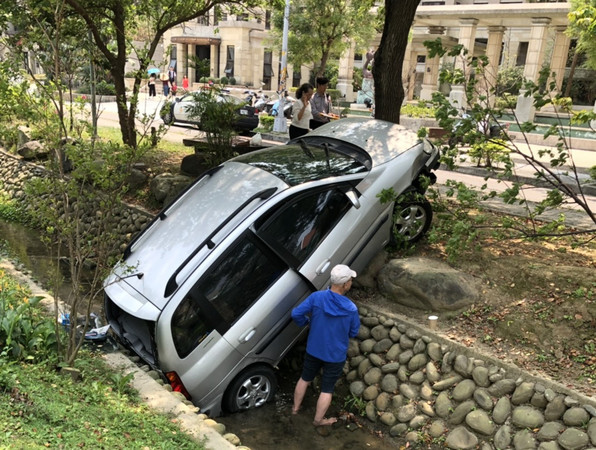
(296,132)
(314,124)
(152,92)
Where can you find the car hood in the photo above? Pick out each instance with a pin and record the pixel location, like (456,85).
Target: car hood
(382,140)
(168,242)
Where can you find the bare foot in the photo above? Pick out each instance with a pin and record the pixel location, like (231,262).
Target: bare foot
(295,411)
(324,421)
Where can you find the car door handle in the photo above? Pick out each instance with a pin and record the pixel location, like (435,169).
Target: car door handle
(323,267)
(247,335)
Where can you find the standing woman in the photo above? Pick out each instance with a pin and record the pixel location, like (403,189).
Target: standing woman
(301,112)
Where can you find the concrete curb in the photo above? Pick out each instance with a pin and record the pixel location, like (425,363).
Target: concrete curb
(158,398)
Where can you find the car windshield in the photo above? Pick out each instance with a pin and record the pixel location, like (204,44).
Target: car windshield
(300,162)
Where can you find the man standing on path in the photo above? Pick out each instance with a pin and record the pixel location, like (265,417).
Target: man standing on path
(333,320)
(319,103)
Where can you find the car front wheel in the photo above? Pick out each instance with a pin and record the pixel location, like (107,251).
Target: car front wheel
(411,220)
(251,389)
(167,117)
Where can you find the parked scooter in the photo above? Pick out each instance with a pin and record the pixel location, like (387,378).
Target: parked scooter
(273,106)
(257,100)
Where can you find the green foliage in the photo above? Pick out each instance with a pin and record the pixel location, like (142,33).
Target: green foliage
(322,32)
(479,126)
(233,81)
(267,122)
(216,119)
(509,81)
(25,333)
(355,405)
(77,212)
(357,79)
(224,80)
(47,409)
(582,23)
(411,110)
(490,153)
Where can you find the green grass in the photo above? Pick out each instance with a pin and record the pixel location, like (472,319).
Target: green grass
(40,408)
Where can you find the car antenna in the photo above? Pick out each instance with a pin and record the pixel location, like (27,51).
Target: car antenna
(305,149)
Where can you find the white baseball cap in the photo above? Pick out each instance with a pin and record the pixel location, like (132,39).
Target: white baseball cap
(341,274)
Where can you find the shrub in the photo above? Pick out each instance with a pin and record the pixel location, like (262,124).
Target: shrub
(203,80)
(233,81)
(492,152)
(335,94)
(267,122)
(25,333)
(420,110)
(224,80)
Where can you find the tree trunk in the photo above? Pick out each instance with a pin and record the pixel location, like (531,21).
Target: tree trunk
(389,58)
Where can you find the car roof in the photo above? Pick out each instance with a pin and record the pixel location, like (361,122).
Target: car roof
(382,140)
(186,224)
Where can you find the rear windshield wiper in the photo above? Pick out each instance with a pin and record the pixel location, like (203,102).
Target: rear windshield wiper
(305,149)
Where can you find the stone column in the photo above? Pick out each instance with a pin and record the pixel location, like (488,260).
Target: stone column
(214,60)
(344,76)
(181,54)
(524,109)
(467,34)
(431,69)
(559,58)
(493,52)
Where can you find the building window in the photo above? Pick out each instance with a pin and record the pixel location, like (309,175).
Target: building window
(522,53)
(203,20)
(267,70)
(229,70)
(358,57)
(242,17)
(296,78)
(267,20)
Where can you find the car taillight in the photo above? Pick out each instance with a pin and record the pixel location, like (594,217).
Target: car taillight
(177,385)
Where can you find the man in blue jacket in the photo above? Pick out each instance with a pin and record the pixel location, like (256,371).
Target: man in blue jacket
(333,320)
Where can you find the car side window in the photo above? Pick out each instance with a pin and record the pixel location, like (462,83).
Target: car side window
(304,222)
(224,293)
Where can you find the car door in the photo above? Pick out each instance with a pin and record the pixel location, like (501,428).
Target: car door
(316,229)
(181,108)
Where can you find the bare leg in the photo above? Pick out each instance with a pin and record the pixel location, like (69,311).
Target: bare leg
(299,393)
(322,406)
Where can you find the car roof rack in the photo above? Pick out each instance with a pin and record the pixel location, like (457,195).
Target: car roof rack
(172,284)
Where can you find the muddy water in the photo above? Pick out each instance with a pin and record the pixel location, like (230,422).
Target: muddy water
(24,247)
(273,427)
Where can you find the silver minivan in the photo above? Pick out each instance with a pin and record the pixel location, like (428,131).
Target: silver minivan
(204,293)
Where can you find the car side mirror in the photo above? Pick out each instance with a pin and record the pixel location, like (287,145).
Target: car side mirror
(353,197)
(177,99)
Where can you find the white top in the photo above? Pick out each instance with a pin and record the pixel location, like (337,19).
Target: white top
(304,122)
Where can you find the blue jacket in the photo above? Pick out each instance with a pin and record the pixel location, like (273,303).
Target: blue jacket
(333,321)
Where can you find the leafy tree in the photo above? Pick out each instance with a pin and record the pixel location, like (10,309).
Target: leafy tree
(582,23)
(323,30)
(113,24)
(488,138)
(389,58)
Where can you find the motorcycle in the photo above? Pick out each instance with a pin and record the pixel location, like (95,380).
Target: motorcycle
(273,107)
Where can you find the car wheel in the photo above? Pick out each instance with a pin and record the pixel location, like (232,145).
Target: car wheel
(411,220)
(168,118)
(251,389)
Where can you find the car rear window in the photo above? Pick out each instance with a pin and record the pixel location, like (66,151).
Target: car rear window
(298,163)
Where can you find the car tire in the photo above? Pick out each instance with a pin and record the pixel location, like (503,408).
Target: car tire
(168,118)
(411,220)
(252,388)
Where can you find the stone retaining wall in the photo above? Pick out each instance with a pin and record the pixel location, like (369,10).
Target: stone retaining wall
(432,391)
(14,172)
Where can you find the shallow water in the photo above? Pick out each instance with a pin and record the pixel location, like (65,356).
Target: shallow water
(273,427)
